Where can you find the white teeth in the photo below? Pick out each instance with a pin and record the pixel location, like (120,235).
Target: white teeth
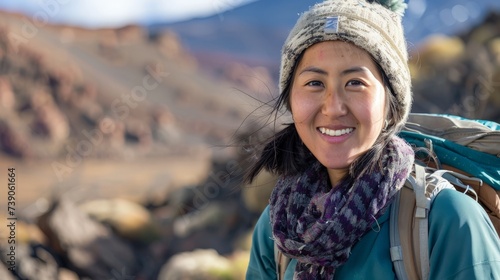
(331,132)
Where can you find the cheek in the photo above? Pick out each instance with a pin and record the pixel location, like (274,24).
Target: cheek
(302,108)
(382,104)
(375,110)
(299,113)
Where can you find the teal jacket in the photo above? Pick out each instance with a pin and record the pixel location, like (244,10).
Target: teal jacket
(462,244)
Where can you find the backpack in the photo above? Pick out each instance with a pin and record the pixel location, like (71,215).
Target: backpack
(451,152)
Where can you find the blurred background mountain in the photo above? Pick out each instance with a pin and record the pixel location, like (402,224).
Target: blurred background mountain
(458,39)
(131,134)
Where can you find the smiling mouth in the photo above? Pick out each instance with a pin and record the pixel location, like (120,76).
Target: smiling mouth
(331,132)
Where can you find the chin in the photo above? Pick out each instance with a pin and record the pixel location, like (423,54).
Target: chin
(329,164)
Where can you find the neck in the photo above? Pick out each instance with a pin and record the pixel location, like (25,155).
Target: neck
(336,175)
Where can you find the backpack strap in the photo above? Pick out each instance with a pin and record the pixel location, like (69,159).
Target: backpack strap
(281,262)
(403,229)
(409,220)
(395,249)
(409,228)
(422,217)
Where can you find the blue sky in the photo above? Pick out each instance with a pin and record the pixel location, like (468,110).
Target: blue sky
(107,13)
(455,16)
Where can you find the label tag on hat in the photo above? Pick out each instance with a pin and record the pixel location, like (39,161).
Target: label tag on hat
(332,25)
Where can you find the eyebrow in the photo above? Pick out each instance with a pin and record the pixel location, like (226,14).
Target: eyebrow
(343,73)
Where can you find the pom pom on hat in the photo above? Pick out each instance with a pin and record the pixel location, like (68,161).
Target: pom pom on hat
(397,6)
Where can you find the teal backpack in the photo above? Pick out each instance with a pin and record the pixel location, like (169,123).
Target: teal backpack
(451,152)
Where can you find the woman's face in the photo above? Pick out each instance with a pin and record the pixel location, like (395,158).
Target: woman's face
(337,101)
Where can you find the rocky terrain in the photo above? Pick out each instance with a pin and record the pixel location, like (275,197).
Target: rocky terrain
(460,74)
(124,153)
(129,150)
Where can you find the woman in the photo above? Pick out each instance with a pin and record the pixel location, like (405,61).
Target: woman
(345,79)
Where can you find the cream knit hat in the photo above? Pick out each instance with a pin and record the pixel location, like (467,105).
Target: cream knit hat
(365,23)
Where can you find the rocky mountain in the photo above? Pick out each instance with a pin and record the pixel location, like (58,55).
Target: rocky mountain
(123,147)
(98,93)
(253,34)
(256,31)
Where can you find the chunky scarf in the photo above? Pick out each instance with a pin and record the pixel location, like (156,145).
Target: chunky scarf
(318,224)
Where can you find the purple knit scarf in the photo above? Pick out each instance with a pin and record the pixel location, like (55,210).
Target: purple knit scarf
(318,225)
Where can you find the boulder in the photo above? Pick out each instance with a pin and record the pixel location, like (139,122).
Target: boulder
(7,96)
(129,219)
(91,249)
(5,273)
(197,265)
(14,138)
(31,262)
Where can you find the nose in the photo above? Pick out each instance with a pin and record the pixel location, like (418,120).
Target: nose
(334,104)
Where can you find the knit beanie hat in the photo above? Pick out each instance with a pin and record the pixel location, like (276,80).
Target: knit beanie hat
(372,26)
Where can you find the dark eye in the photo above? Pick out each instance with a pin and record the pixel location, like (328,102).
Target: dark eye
(315,84)
(355,83)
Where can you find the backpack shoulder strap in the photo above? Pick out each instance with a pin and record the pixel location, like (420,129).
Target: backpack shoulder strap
(422,217)
(402,226)
(281,262)
(409,229)
(395,249)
